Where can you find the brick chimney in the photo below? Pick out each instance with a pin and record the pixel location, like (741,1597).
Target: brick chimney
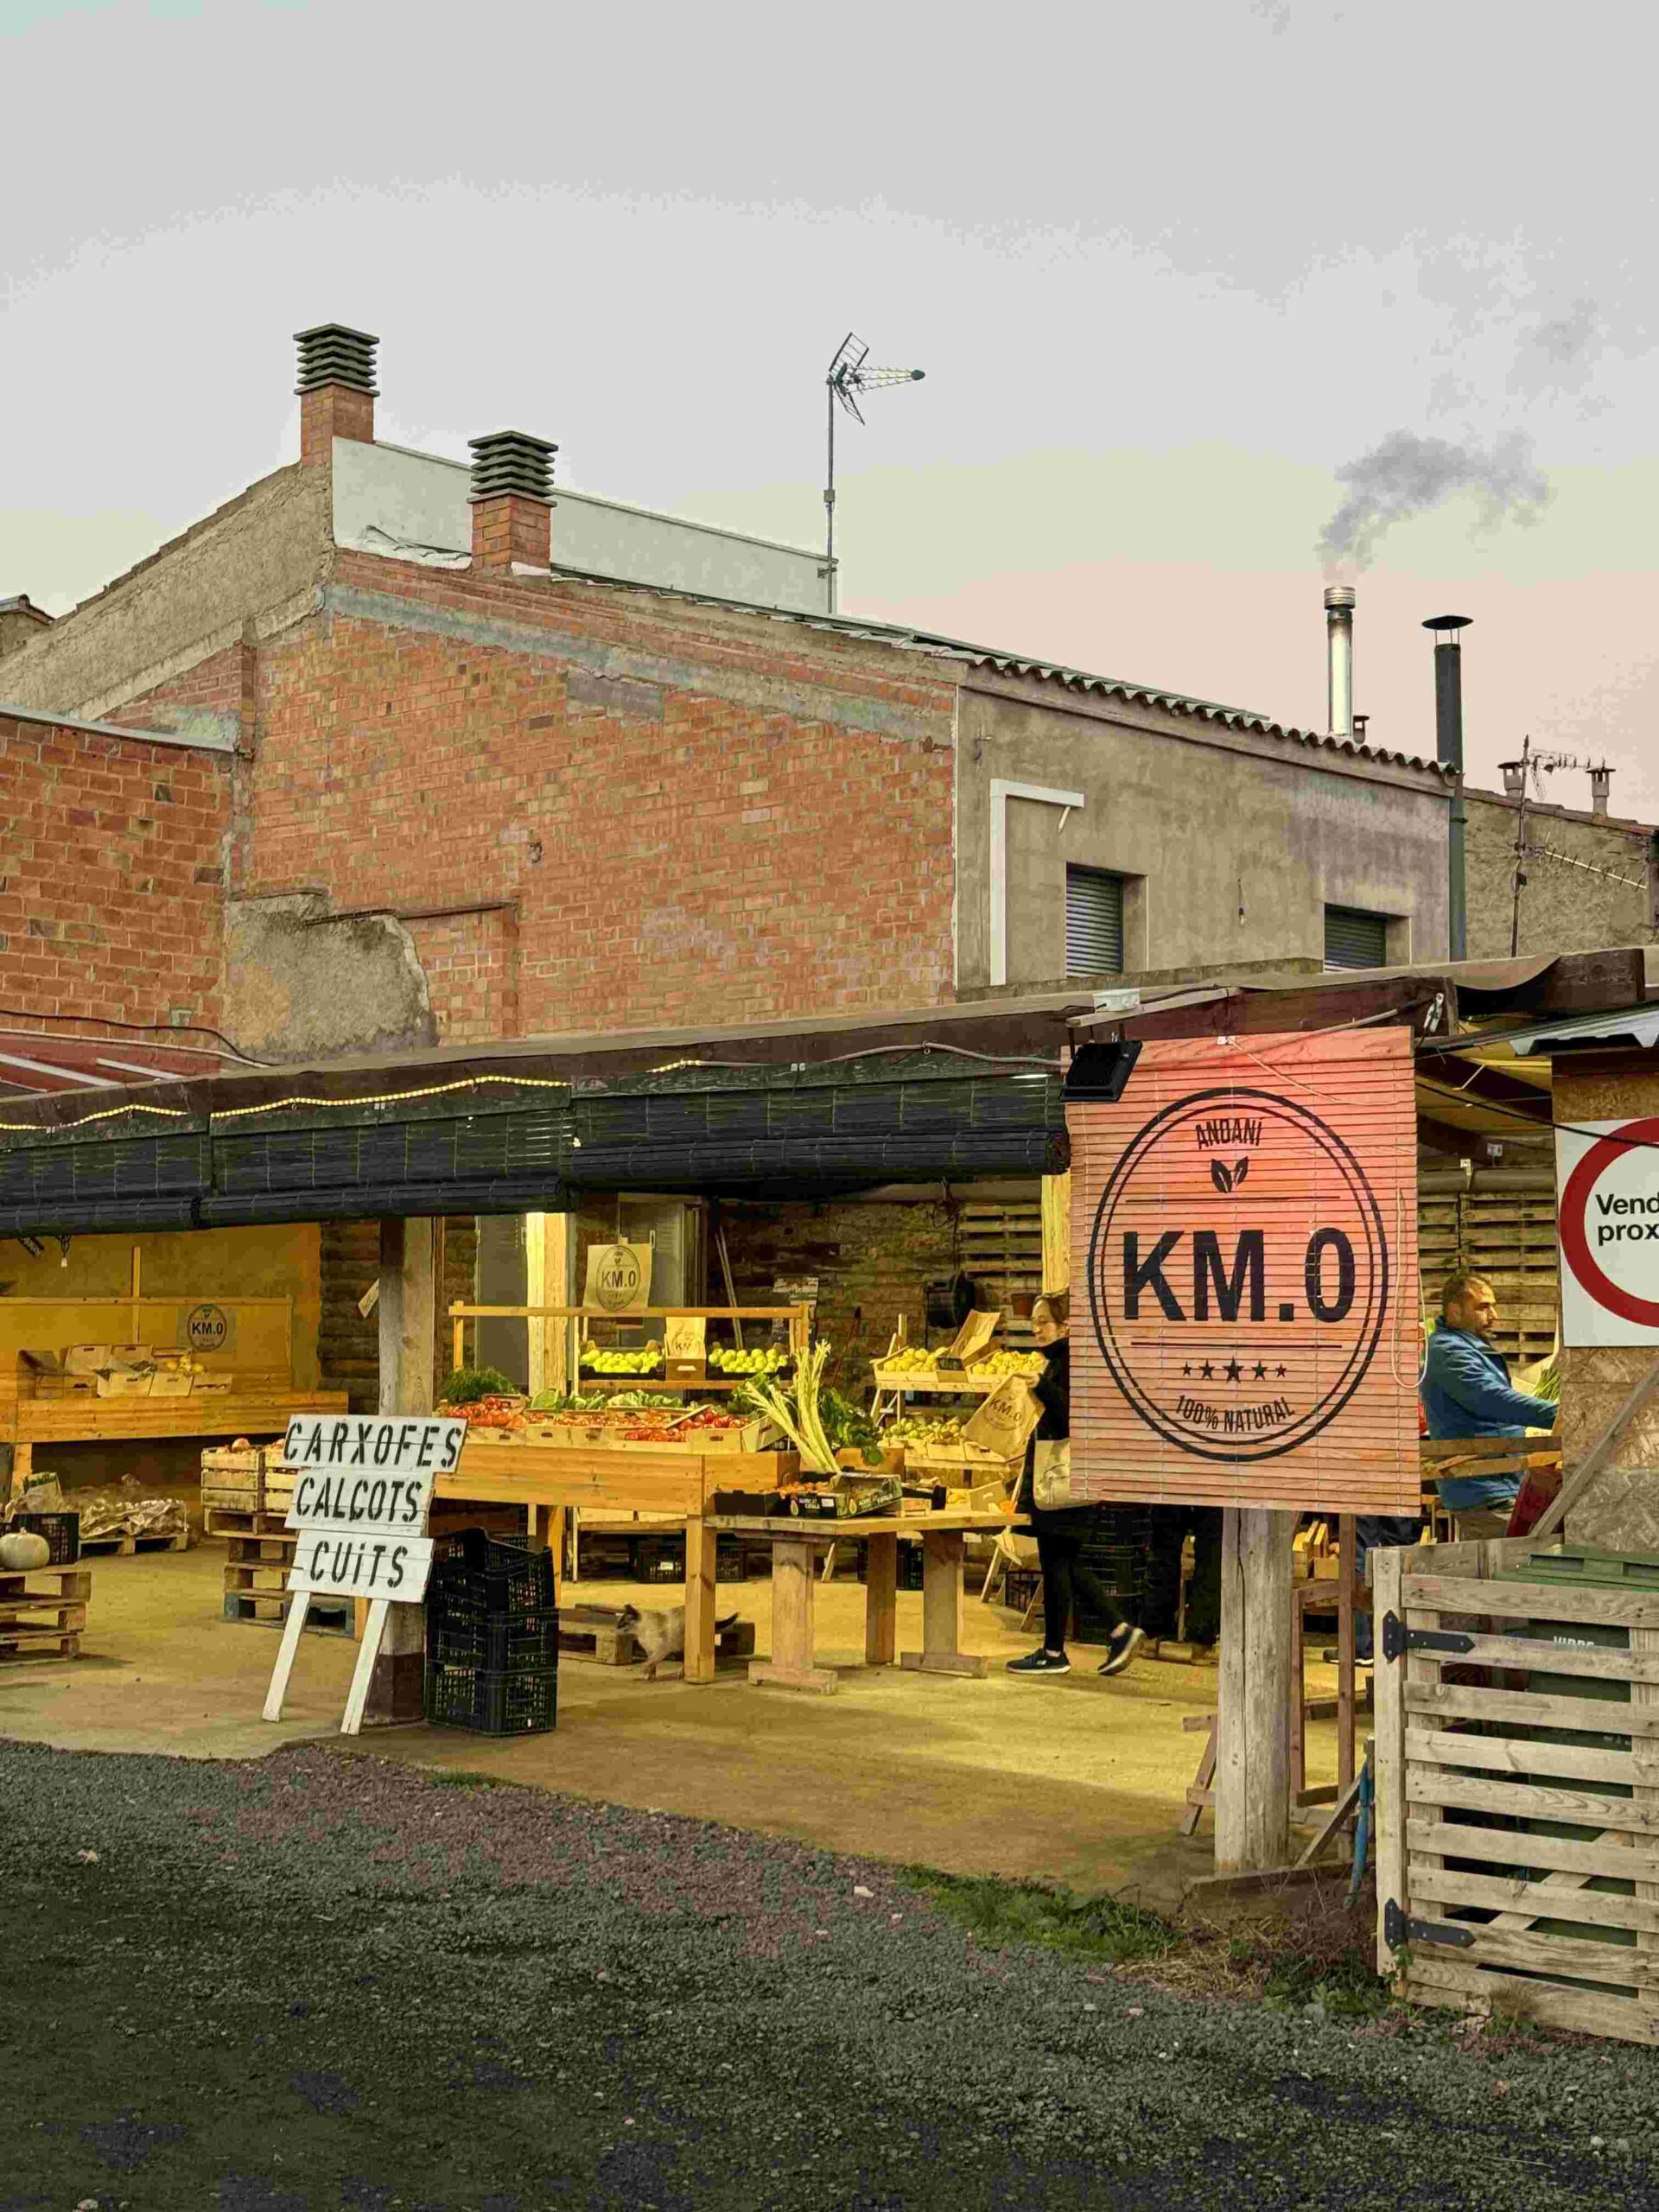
(20,623)
(511,501)
(336,388)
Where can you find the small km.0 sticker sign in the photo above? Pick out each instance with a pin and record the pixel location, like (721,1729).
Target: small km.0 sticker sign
(1243,1220)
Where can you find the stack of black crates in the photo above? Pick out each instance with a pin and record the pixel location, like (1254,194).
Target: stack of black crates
(491,1636)
(1115,1548)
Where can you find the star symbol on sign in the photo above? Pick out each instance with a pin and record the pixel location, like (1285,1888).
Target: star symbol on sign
(1280,1371)
(1209,1370)
(1187,1369)
(1261,1375)
(1234,1371)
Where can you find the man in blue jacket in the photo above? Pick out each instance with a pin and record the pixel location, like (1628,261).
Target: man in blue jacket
(1468,1392)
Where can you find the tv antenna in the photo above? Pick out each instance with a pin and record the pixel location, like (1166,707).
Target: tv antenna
(1522,778)
(847,378)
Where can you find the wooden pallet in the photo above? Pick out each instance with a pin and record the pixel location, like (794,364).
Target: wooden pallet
(591,1632)
(267,1549)
(269,1609)
(124,1547)
(39,1623)
(238,1521)
(1554,1917)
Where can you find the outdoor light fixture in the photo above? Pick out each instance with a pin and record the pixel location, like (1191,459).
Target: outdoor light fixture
(1101,1070)
(848,377)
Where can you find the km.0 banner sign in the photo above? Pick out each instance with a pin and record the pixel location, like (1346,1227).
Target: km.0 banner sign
(1243,1225)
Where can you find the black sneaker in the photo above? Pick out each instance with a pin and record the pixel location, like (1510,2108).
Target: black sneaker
(1123,1642)
(1041,1663)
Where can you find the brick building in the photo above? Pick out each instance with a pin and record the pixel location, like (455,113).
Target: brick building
(389,751)
(483,782)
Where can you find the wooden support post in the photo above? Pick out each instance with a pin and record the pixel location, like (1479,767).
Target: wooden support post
(1347,1541)
(407,1313)
(1253,1729)
(881,1600)
(1057,1232)
(793,1663)
(700,1557)
(942,1652)
(549,1279)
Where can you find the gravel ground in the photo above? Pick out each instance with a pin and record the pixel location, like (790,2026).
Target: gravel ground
(316,1982)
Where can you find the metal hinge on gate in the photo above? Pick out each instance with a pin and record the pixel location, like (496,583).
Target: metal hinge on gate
(1398,1639)
(1400,1928)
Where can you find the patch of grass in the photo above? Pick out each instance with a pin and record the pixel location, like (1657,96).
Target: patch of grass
(457,1778)
(999,1913)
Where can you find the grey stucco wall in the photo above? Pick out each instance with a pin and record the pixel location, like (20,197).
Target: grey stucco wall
(244,565)
(1233,844)
(1563,908)
(301,984)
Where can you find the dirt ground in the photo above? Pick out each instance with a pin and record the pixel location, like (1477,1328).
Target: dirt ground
(1074,1780)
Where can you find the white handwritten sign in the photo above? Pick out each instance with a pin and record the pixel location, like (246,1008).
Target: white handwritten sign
(362,1492)
(345,1563)
(333,1444)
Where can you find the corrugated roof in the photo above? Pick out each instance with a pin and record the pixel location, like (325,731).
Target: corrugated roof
(42,1063)
(912,640)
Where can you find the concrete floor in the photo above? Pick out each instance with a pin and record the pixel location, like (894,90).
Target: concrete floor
(1075,1780)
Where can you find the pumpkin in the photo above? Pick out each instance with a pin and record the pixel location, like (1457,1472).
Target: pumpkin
(22,1550)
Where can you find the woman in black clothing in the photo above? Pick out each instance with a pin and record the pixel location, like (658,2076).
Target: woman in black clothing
(1060,1535)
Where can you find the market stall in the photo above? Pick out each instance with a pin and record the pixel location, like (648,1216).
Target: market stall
(120,1368)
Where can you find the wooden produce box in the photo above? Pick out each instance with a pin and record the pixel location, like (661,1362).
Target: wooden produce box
(248,1481)
(958,1459)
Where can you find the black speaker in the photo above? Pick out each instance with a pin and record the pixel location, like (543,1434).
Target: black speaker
(947,1303)
(1101,1070)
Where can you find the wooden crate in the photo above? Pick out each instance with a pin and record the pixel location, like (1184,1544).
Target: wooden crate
(1566,1890)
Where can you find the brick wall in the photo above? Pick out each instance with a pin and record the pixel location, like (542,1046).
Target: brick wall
(871,1261)
(470,961)
(111,865)
(770,834)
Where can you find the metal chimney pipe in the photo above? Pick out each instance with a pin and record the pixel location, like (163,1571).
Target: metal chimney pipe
(1448,732)
(1339,658)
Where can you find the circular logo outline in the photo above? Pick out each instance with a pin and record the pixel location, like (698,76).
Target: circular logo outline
(1379,1285)
(1576,1205)
(207,1307)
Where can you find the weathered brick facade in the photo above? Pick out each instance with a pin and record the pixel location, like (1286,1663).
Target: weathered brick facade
(574,841)
(111,875)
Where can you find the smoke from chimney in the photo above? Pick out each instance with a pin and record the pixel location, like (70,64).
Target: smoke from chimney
(1409,475)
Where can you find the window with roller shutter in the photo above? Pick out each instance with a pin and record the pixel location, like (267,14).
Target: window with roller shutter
(1094,922)
(1353,939)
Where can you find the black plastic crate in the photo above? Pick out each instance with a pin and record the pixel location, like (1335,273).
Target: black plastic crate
(509,1644)
(490,1702)
(1113,1527)
(476,1573)
(62,1531)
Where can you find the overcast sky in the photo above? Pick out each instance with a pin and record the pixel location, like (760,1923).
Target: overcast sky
(1183,281)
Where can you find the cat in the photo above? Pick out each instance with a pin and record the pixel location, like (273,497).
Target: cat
(661,1635)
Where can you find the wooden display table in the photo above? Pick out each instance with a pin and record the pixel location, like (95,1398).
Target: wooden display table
(795,1544)
(547,1479)
(25,1422)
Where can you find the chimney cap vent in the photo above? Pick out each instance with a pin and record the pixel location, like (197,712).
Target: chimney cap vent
(511,462)
(334,354)
(1339,596)
(1448,622)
